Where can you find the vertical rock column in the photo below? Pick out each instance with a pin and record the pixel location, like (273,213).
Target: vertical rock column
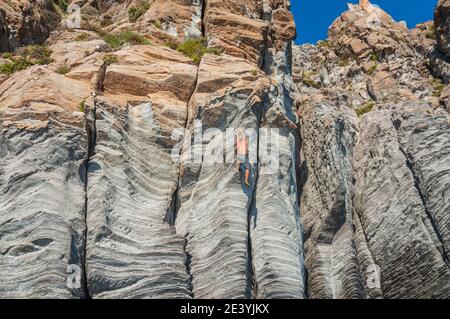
(403,225)
(424,140)
(132,251)
(213,214)
(43,155)
(328,138)
(214,200)
(274,224)
(240,237)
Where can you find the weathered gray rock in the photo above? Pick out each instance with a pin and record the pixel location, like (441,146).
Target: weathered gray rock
(214,203)
(395,218)
(440,64)
(328,139)
(359,211)
(42,181)
(371,187)
(43,156)
(3,32)
(440,56)
(275,226)
(132,250)
(424,141)
(244,241)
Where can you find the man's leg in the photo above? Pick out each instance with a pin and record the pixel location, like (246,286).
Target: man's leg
(241,169)
(247,176)
(240,160)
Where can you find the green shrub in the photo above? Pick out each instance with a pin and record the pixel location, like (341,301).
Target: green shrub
(171,44)
(136,12)
(63,69)
(196,49)
(7,55)
(38,54)
(374,57)
(366,108)
(62,4)
(26,57)
(438,87)
(324,44)
(110,59)
(372,69)
(307,79)
(82,37)
(82,106)
(431,32)
(118,40)
(157,24)
(17,64)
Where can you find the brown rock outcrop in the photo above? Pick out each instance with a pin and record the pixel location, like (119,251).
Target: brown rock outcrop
(26,22)
(237,34)
(351,34)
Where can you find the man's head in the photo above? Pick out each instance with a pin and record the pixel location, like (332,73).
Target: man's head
(240,133)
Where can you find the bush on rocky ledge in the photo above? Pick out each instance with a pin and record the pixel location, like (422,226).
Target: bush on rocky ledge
(196,49)
(26,57)
(117,40)
(134,13)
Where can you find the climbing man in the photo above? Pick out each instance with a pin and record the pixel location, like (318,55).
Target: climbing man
(242,152)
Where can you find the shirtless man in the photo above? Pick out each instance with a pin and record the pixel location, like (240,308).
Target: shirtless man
(242,152)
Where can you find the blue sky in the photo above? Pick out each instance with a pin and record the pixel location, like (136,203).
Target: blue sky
(312,26)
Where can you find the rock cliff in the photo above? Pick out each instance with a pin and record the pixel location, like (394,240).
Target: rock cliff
(117,145)
(375,165)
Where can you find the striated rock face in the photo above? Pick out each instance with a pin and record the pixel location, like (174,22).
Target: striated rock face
(240,243)
(328,139)
(43,151)
(374,163)
(402,226)
(132,252)
(118,176)
(428,162)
